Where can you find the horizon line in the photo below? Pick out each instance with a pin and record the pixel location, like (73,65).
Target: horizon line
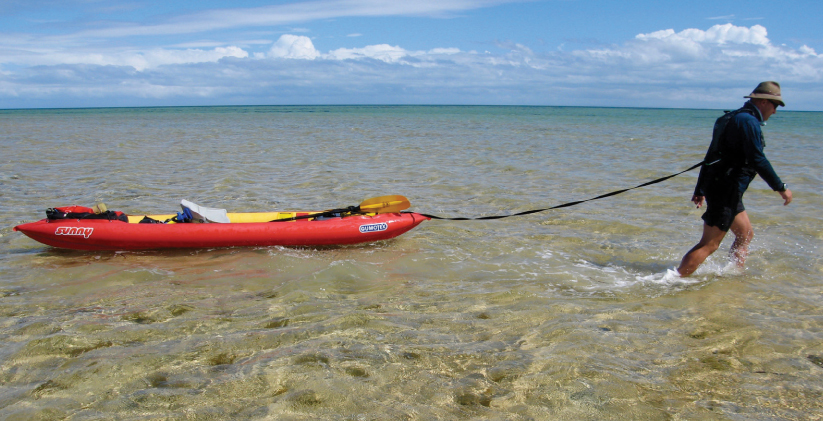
(364,105)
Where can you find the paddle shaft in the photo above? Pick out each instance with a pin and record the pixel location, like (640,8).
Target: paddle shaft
(387,204)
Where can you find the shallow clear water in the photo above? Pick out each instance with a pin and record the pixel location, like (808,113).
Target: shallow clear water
(565,314)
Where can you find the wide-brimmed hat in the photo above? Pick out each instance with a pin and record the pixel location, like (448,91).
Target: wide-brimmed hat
(767,90)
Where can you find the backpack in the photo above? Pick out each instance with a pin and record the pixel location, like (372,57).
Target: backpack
(714,165)
(715,152)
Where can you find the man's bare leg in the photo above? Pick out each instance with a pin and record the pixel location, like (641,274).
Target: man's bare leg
(743,234)
(709,243)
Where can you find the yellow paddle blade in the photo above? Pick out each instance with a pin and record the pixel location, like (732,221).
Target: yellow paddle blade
(385,204)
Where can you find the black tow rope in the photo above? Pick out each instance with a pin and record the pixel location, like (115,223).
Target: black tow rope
(565,205)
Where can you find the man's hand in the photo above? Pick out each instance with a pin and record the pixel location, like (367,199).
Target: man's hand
(698,200)
(787,196)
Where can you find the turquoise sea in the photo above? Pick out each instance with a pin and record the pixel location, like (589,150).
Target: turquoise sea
(560,315)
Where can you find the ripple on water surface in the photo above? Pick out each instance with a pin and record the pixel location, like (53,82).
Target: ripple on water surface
(566,314)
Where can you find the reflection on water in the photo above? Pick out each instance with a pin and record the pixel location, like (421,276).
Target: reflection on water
(560,315)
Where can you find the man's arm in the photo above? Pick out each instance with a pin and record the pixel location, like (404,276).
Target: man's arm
(753,149)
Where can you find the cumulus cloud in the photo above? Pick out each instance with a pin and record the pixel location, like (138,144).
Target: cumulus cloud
(722,47)
(719,47)
(718,34)
(690,67)
(692,44)
(301,47)
(294,46)
(698,66)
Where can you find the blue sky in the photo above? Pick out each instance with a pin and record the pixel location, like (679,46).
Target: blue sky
(690,54)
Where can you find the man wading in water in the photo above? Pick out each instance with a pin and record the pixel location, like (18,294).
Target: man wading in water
(734,158)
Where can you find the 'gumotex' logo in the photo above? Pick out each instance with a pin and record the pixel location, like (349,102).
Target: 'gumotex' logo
(85,232)
(374,227)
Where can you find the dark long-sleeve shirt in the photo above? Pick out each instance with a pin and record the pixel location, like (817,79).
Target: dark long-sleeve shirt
(741,152)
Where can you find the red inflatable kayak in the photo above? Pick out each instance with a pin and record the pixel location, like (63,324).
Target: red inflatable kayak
(243,230)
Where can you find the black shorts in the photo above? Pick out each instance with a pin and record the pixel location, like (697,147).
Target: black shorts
(720,211)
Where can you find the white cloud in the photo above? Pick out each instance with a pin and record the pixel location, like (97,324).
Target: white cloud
(692,67)
(287,14)
(447,51)
(807,51)
(164,57)
(294,46)
(726,17)
(140,60)
(301,47)
(382,52)
(696,52)
(718,34)
(393,54)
